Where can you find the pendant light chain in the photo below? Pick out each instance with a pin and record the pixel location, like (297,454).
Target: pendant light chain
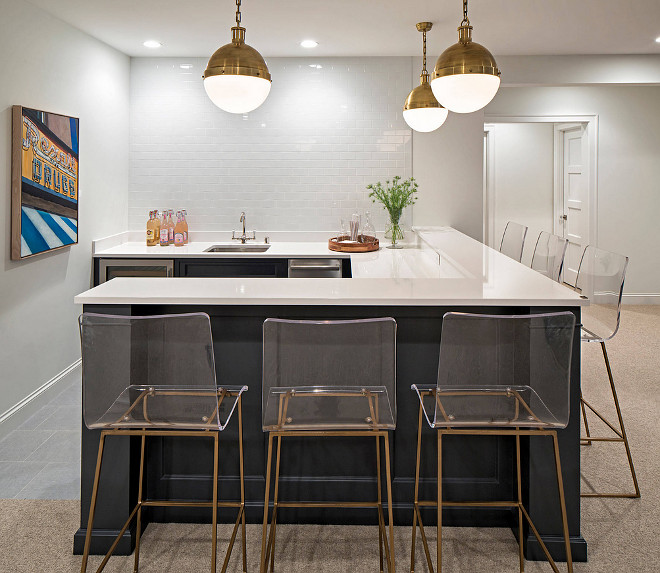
(466,20)
(238,13)
(424,72)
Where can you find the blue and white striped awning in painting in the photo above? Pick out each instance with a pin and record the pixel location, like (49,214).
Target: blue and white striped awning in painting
(42,231)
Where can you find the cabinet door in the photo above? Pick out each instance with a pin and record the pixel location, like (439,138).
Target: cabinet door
(231,268)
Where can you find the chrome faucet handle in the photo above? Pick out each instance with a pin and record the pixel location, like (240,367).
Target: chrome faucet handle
(244,236)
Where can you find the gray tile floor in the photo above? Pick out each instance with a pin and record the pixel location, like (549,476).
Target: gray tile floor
(41,458)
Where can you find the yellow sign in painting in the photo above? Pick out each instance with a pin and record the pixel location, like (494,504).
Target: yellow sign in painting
(46,164)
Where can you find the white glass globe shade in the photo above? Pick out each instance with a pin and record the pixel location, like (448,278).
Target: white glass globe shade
(425,118)
(465,93)
(237,94)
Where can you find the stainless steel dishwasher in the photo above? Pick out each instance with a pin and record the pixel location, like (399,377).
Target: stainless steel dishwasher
(315,268)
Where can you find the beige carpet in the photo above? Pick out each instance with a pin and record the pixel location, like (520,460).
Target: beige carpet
(36,536)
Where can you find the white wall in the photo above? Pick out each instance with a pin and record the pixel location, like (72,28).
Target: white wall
(301,161)
(51,66)
(628,166)
(447,165)
(522,191)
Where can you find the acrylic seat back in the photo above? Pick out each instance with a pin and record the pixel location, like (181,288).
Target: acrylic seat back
(329,374)
(498,371)
(600,278)
(548,257)
(513,240)
(151,371)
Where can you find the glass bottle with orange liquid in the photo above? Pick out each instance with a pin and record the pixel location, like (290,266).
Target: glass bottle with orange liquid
(178,231)
(185,227)
(150,230)
(164,231)
(170,227)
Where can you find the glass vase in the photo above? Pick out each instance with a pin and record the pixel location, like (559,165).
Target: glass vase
(395,233)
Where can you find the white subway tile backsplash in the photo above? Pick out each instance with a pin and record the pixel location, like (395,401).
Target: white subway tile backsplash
(299,162)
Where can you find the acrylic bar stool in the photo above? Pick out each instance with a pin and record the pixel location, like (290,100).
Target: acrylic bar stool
(155,376)
(329,379)
(497,376)
(513,241)
(600,278)
(548,257)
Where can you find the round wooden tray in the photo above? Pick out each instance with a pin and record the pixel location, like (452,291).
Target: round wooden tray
(342,244)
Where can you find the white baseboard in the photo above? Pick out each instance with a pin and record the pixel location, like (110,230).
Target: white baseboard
(20,412)
(641,298)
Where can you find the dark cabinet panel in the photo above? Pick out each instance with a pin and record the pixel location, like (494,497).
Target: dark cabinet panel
(231,268)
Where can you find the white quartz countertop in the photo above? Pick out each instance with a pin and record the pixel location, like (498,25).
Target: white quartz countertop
(445,268)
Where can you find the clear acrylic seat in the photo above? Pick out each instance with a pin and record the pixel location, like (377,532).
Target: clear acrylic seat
(513,241)
(324,379)
(152,372)
(501,371)
(548,257)
(601,276)
(329,375)
(155,376)
(497,376)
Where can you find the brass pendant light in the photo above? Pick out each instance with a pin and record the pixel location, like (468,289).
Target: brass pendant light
(237,78)
(465,77)
(422,111)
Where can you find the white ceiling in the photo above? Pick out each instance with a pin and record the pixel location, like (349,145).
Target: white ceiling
(367,27)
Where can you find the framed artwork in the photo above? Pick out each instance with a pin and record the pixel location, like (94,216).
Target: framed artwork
(44,182)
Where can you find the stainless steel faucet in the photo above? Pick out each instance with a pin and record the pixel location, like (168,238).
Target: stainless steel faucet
(244,237)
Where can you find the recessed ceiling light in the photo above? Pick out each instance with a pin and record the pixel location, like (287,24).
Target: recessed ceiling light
(186,66)
(317,66)
(309,44)
(658,39)
(152,44)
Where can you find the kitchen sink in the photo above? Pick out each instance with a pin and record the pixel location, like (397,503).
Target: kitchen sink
(237,249)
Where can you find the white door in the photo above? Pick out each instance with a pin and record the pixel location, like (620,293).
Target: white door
(574,218)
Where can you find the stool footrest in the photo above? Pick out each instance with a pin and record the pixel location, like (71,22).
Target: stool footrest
(365,504)
(168,503)
(469,503)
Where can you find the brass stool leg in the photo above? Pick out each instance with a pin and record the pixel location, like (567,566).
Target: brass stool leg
(242,474)
(275,496)
(584,418)
(380,505)
(562,502)
(139,512)
(621,435)
(214,543)
(390,516)
(417,515)
(439,541)
(92,508)
(520,514)
(621,425)
(264,530)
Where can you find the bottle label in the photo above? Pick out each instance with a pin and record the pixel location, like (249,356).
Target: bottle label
(185,236)
(171,234)
(178,238)
(150,234)
(163,237)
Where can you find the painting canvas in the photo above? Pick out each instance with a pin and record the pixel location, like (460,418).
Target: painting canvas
(44,182)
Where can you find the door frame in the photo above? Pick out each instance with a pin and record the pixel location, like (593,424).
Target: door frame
(489,182)
(591,122)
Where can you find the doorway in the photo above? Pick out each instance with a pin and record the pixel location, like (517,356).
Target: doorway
(541,172)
